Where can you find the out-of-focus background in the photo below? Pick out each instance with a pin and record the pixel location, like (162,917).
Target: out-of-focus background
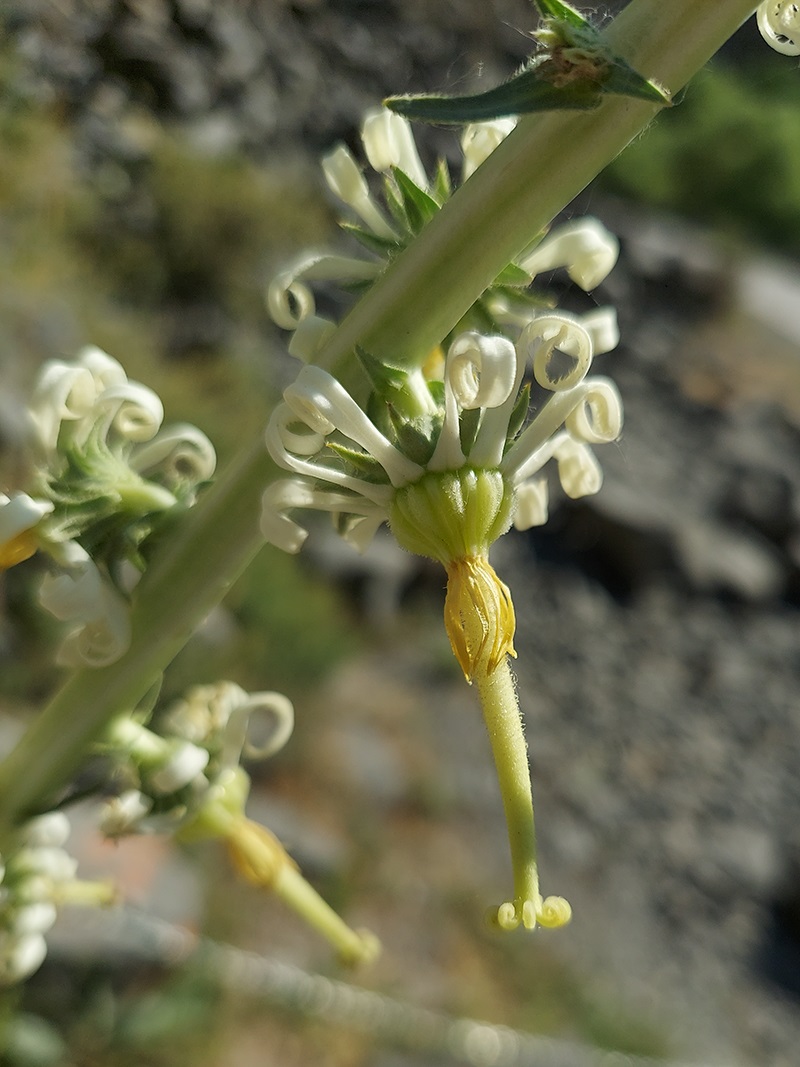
(158,161)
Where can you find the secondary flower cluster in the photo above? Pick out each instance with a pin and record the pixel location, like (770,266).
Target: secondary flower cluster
(38,877)
(182,775)
(104,475)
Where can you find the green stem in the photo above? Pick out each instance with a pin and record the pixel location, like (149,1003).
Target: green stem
(414,304)
(498,696)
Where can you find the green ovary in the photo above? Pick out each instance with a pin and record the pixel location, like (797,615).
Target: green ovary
(450,515)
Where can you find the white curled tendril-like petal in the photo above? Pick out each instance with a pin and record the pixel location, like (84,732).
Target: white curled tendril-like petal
(597,418)
(104,369)
(288,493)
(346,181)
(318,394)
(553,340)
(182,455)
(531,504)
(389,142)
(480,372)
(603,328)
(130,411)
(578,470)
(779,24)
(290,301)
(64,392)
(591,411)
(310,337)
(480,139)
(585,247)
(258,728)
(185,764)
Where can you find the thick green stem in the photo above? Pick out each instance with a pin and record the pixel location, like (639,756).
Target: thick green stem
(534,174)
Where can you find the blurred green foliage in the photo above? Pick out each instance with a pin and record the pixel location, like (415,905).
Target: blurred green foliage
(727,156)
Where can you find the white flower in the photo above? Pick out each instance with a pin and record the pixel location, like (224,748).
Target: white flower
(389,142)
(80,594)
(779,23)
(483,375)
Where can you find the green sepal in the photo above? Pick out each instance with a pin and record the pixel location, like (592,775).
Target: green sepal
(624,81)
(417,439)
(372,241)
(442,186)
(519,413)
(468,428)
(384,378)
(363,464)
(419,207)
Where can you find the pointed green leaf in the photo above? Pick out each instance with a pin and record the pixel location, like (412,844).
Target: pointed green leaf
(519,413)
(468,428)
(415,439)
(514,276)
(624,81)
(526,92)
(394,201)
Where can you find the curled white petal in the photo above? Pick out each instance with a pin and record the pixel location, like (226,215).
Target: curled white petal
(64,392)
(585,247)
(779,24)
(603,328)
(186,762)
(104,369)
(552,339)
(281,496)
(319,392)
(360,530)
(131,410)
(310,337)
(49,830)
(77,593)
(306,442)
(591,411)
(259,727)
(389,142)
(181,454)
(531,504)
(20,512)
(481,370)
(290,301)
(99,641)
(597,419)
(578,470)
(480,139)
(346,181)
(21,957)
